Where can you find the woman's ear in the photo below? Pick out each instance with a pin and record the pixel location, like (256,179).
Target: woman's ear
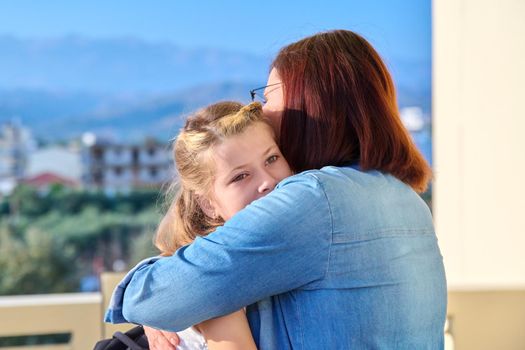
(207,207)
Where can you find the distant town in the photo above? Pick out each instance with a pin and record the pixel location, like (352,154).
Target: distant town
(91,163)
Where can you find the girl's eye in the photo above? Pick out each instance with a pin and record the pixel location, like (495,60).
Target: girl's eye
(239,177)
(272,159)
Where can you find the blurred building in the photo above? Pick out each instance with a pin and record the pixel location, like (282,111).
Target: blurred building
(419,125)
(43,181)
(62,162)
(115,167)
(15,144)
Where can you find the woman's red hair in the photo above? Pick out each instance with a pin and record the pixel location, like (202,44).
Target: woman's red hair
(340,105)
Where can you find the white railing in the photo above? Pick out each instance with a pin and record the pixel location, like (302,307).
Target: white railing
(77,314)
(477,319)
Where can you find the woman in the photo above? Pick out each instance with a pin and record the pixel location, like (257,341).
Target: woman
(341,255)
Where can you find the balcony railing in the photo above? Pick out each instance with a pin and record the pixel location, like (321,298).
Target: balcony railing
(477,319)
(78,315)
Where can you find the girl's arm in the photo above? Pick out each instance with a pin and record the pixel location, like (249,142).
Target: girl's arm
(230,332)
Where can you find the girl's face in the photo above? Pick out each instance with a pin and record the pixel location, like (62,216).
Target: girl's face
(247,167)
(274,106)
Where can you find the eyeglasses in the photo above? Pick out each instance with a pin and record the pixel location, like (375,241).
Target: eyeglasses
(257,94)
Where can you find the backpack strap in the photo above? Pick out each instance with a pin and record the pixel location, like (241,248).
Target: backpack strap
(134,339)
(103,344)
(124,338)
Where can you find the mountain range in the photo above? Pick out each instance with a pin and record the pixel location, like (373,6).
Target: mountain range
(127,89)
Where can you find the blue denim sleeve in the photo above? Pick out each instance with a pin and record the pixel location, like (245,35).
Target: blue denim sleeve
(114,311)
(276,244)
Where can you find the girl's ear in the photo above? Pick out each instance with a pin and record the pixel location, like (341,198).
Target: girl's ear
(207,207)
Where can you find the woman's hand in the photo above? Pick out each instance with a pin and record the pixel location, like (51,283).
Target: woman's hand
(161,340)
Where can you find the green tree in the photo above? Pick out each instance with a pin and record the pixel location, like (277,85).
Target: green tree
(36,264)
(50,239)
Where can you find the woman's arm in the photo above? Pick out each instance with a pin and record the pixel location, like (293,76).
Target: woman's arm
(276,244)
(230,332)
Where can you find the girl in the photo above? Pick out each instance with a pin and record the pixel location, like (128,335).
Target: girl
(226,157)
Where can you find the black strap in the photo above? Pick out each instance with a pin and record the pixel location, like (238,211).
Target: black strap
(132,345)
(103,344)
(134,339)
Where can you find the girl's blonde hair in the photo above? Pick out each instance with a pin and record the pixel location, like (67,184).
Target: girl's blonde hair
(208,127)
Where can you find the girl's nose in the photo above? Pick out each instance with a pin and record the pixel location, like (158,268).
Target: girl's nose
(268,183)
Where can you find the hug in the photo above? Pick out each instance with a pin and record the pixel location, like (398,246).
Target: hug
(296,223)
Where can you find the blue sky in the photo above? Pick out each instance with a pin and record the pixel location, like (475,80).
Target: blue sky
(397,28)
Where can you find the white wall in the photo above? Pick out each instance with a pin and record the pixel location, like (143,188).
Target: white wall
(479,140)
(58,160)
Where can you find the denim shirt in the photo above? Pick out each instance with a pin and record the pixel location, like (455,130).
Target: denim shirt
(335,258)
